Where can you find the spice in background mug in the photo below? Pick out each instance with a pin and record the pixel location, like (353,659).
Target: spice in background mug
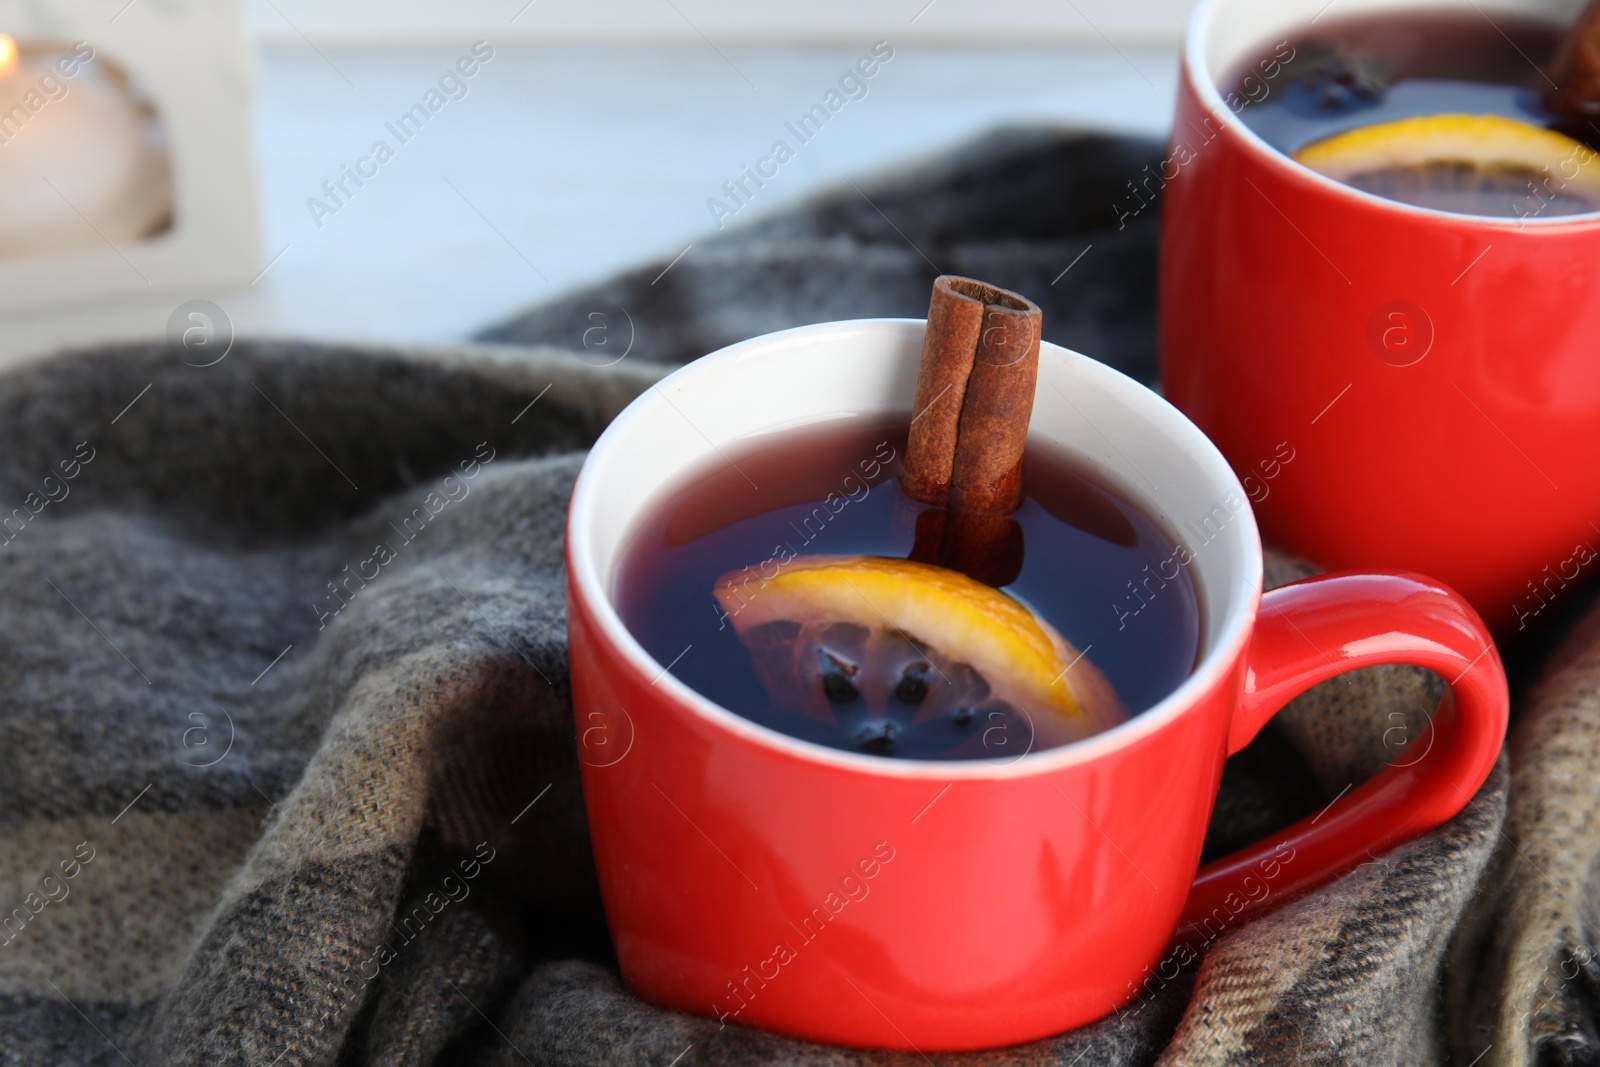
(1440,109)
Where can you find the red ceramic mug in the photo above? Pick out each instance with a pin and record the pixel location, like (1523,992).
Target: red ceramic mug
(1432,376)
(946,905)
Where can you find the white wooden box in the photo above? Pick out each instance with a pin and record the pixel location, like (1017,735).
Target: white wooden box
(192,60)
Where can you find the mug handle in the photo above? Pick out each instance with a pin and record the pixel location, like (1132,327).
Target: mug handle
(1307,632)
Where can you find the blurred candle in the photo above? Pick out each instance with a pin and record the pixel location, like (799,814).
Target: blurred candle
(81,160)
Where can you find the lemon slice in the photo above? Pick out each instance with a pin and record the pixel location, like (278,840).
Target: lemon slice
(1481,164)
(827,629)
(1481,141)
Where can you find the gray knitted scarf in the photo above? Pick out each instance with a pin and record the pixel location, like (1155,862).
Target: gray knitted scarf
(288,772)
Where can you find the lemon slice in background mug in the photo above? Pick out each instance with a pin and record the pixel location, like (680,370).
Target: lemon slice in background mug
(1471,164)
(827,631)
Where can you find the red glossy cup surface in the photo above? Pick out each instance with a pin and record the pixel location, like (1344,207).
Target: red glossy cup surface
(942,905)
(1432,375)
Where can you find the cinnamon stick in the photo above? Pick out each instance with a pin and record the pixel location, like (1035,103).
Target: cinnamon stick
(1575,71)
(974,398)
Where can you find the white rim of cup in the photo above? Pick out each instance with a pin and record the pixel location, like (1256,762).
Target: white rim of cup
(1198,74)
(1220,651)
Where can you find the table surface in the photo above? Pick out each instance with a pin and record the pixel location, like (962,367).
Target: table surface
(565,164)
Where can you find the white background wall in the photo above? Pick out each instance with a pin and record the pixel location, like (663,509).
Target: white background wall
(594,139)
(344,22)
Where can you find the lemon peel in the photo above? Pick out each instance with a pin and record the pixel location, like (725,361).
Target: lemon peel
(1481,142)
(1021,656)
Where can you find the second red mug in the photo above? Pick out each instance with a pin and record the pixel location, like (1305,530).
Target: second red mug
(1396,386)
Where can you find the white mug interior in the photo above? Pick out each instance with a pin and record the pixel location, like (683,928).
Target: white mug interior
(1123,433)
(1224,35)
